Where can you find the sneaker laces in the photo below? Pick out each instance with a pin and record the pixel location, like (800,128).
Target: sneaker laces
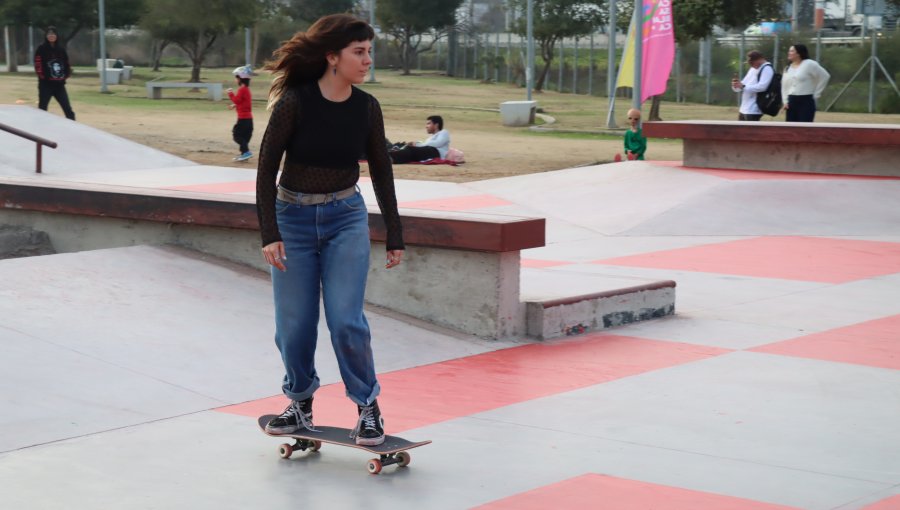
(293,409)
(366,421)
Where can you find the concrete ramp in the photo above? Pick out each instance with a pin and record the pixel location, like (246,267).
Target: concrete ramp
(114,338)
(81,149)
(664,199)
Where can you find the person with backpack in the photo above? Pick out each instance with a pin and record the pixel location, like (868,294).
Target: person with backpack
(756,81)
(803,83)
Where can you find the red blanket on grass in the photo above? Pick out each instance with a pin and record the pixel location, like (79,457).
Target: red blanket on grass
(433,161)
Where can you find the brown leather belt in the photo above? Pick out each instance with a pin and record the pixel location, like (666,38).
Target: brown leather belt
(293,197)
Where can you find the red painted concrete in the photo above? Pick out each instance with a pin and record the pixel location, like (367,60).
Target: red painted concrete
(875,343)
(466,203)
(541,264)
(762,175)
(430,394)
(218,187)
(813,259)
(592,491)
(891,503)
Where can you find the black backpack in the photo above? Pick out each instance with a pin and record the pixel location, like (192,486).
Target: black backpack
(769,102)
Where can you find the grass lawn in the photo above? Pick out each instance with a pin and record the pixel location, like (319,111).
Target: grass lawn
(187,124)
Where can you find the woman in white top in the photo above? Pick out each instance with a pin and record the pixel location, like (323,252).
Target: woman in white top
(802,84)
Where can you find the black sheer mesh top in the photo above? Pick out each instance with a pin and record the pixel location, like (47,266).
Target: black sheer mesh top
(322,142)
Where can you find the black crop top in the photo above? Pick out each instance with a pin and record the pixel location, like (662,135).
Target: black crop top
(322,142)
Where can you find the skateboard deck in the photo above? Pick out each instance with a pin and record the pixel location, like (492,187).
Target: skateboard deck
(392,451)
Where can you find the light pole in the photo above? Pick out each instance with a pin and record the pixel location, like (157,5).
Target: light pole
(529,67)
(611,65)
(102,10)
(795,13)
(372,22)
(638,52)
(247,47)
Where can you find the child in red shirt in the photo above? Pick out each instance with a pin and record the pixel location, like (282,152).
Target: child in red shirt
(242,102)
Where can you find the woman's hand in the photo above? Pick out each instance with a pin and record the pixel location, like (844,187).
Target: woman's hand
(275,255)
(393,258)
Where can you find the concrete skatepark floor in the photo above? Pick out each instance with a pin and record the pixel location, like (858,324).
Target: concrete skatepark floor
(131,377)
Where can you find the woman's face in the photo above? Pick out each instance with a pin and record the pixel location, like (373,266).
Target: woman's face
(51,37)
(354,61)
(793,56)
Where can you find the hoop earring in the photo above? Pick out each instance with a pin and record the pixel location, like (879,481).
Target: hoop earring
(334,70)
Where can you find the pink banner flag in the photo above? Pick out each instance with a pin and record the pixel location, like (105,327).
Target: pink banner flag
(659,50)
(659,47)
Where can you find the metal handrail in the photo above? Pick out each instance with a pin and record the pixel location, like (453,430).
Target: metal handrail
(39,141)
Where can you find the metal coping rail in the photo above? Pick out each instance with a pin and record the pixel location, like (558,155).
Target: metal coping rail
(39,142)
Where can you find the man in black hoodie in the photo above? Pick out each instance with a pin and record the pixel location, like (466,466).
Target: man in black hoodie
(51,62)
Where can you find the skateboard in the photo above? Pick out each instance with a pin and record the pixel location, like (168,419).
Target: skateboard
(392,451)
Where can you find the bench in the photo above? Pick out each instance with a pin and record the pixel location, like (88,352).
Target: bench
(831,148)
(154,88)
(518,113)
(113,76)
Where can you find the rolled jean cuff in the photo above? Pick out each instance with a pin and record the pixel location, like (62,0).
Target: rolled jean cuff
(303,395)
(372,396)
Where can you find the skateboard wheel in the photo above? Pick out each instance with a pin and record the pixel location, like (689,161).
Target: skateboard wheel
(403,459)
(374,466)
(285,451)
(314,446)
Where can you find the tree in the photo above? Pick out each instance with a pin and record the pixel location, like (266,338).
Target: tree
(311,10)
(195,26)
(555,20)
(71,16)
(407,21)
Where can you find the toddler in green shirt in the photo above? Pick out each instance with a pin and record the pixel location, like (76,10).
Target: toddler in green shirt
(635,143)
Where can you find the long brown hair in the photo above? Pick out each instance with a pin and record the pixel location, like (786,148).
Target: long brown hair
(302,58)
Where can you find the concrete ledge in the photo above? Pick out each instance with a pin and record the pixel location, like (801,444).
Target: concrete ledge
(575,315)
(832,148)
(461,269)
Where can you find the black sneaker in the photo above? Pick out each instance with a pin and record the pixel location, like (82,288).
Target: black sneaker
(369,429)
(297,416)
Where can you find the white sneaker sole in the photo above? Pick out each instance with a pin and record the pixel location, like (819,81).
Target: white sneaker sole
(374,441)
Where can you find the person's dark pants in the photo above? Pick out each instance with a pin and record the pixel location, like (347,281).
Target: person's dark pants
(54,89)
(241,132)
(801,108)
(414,153)
(749,116)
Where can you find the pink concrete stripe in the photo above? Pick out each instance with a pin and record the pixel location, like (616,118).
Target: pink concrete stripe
(812,259)
(874,343)
(891,503)
(766,175)
(218,187)
(465,203)
(593,491)
(430,394)
(540,264)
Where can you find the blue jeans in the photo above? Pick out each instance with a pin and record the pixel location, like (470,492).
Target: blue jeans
(327,248)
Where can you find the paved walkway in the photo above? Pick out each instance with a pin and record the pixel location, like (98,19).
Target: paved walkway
(131,378)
